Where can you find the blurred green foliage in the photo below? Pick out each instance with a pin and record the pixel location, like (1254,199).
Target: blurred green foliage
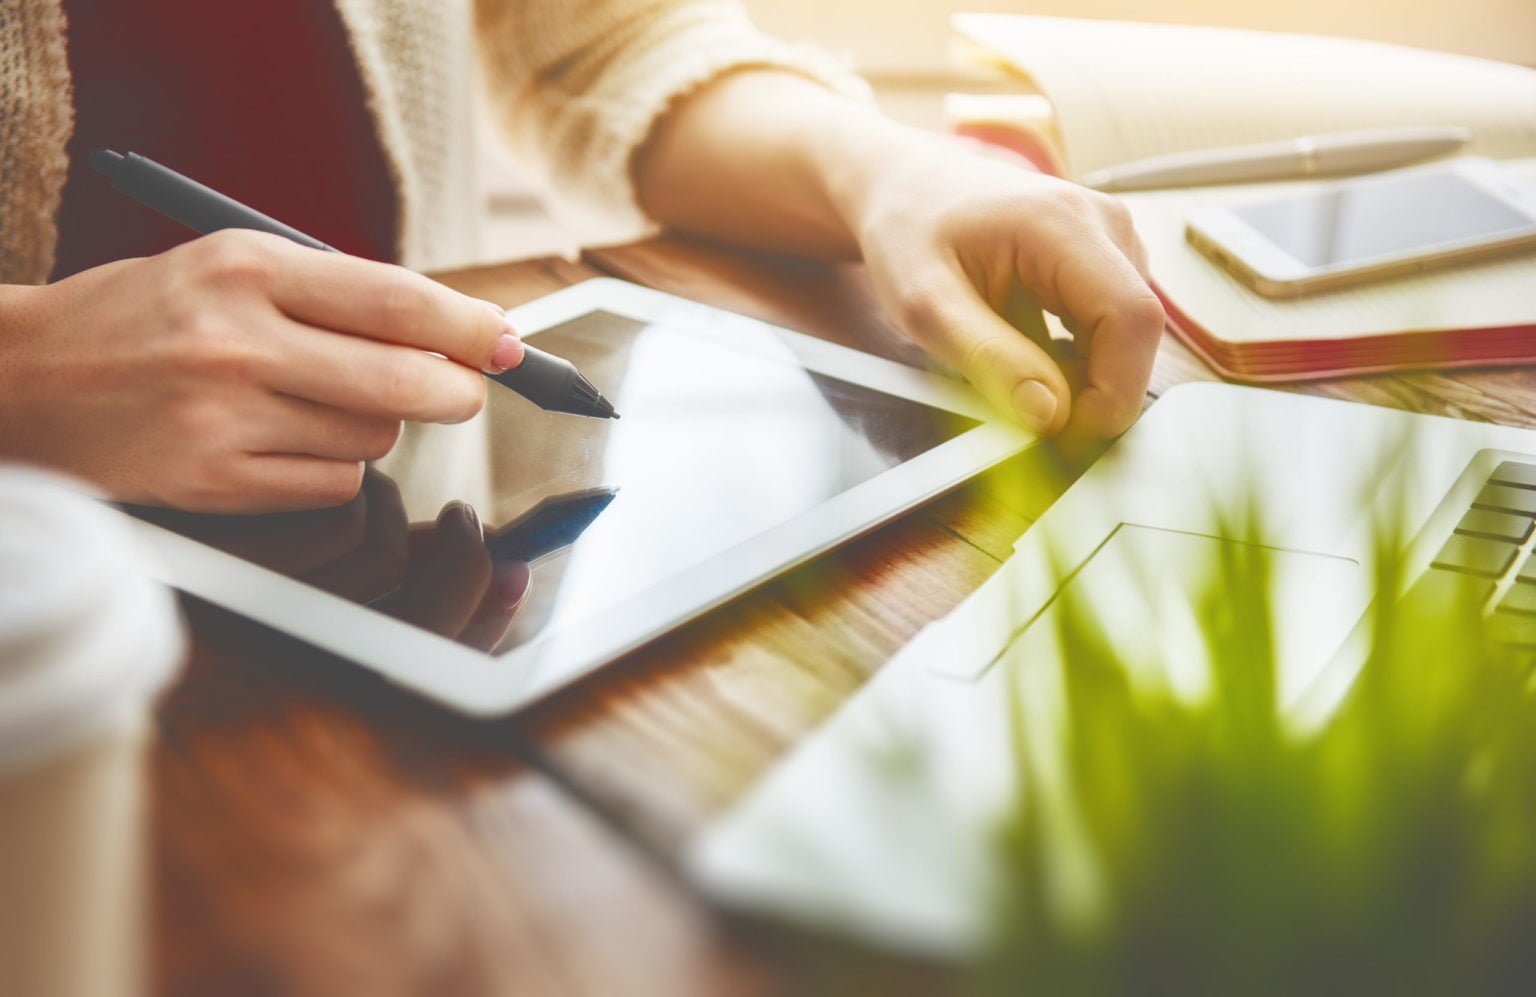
(1212,847)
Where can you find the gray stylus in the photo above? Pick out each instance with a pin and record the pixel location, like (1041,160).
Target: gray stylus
(551,383)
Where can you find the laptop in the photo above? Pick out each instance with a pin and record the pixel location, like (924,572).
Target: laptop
(842,836)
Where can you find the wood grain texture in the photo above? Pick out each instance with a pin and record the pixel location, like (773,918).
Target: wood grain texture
(320,832)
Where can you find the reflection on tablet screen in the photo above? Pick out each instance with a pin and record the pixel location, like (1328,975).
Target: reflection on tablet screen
(522,522)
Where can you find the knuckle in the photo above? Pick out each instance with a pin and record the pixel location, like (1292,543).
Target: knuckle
(920,311)
(1121,222)
(235,257)
(230,362)
(425,389)
(1146,313)
(1071,199)
(406,303)
(988,353)
(1113,207)
(400,387)
(465,398)
(199,330)
(212,348)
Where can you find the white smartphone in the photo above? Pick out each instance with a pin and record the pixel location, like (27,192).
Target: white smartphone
(1367,227)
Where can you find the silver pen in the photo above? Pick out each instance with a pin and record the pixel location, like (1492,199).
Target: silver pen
(1309,156)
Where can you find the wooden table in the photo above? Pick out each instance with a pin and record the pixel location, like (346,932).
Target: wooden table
(320,832)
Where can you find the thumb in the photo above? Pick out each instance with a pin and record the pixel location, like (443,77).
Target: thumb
(949,319)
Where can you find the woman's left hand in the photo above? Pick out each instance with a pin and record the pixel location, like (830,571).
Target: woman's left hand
(964,249)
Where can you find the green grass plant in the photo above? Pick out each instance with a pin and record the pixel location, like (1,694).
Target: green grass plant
(1215,846)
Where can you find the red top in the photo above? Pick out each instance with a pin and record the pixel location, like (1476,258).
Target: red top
(258,100)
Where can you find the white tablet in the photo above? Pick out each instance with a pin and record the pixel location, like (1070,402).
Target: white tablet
(742,449)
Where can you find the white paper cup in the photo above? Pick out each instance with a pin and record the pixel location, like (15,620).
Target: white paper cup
(86,642)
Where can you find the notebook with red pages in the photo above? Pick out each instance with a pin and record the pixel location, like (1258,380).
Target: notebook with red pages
(1477,315)
(1126,103)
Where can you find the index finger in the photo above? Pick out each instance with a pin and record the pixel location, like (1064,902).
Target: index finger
(387,302)
(1123,320)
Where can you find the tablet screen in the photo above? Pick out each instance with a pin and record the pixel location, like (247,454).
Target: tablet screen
(522,522)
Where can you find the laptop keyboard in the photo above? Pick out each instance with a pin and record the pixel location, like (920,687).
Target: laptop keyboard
(1492,551)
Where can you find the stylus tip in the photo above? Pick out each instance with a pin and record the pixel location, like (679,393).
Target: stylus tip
(586,400)
(602,408)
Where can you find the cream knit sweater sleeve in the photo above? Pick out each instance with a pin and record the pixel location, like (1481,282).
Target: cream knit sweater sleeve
(580,84)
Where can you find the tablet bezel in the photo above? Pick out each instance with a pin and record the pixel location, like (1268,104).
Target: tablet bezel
(489,685)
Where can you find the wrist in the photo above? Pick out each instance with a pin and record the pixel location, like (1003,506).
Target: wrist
(12,322)
(16,320)
(856,156)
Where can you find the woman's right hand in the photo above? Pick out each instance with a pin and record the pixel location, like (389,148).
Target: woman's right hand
(238,372)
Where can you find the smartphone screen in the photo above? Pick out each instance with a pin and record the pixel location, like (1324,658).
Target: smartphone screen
(1385,218)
